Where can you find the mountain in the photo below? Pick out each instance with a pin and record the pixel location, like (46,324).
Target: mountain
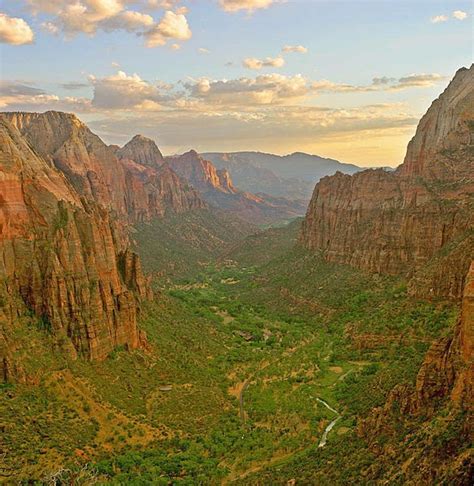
(217,189)
(64,258)
(418,219)
(256,179)
(292,176)
(67,207)
(141,150)
(134,190)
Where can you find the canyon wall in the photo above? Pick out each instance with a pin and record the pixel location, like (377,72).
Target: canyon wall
(411,221)
(59,260)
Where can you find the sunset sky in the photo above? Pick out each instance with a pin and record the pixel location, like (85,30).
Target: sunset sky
(344,79)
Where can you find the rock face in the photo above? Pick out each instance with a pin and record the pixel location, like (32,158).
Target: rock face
(59,257)
(130,185)
(217,189)
(66,204)
(446,375)
(142,150)
(418,222)
(414,220)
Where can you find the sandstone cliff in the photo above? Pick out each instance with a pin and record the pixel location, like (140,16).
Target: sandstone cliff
(127,181)
(414,220)
(59,259)
(217,189)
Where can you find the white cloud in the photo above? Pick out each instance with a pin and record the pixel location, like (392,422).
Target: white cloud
(129,21)
(299,48)
(50,28)
(123,91)
(459,15)
(439,18)
(175,47)
(171,26)
(203,50)
(88,16)
(15,31)
(383,83)
(262,90)
(249,5)
(253,63)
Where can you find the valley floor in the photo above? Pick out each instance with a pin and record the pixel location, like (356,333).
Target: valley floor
(247,367)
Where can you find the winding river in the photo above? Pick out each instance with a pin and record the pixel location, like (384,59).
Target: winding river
(328,429)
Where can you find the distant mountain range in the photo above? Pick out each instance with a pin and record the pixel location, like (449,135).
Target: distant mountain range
(292,176)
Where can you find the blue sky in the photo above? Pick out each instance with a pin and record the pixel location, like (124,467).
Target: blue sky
(320,101)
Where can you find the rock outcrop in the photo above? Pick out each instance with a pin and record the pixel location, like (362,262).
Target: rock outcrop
(217,189)
(127,181)
(411,221)
(59,255)
(445,382)
(142,150)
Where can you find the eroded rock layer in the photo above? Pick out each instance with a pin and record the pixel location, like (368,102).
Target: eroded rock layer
(59,255)
(412,220)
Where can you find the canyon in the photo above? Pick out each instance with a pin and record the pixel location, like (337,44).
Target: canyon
(362,309)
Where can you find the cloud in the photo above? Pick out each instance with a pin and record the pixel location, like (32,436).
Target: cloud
(74,86)
(439,18)
(124,92)
(249,5)
(50,28)
(129,21)
(418,81)
(21,97)
(253,63)
(459,15)
(262,90)
(299,48)
(203,50)
(383,83)
(89,16)
(171,26)
(15,31)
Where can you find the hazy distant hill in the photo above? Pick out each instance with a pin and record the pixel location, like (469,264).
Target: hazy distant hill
(291,175)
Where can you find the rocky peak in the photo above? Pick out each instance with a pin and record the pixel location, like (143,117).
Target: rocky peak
(417,220)
(447,127)
(201,173)
(141,150)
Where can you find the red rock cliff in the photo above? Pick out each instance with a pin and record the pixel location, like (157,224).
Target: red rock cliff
(217,189)
(418,220)
(129,185)
(59,254)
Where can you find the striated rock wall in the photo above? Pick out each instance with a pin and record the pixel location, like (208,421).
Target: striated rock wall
(127,181)
(402,222)
(59,253)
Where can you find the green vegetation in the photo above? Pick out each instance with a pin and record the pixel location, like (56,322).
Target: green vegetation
(240,352)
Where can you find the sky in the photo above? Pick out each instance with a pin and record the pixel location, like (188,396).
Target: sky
(342,79)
